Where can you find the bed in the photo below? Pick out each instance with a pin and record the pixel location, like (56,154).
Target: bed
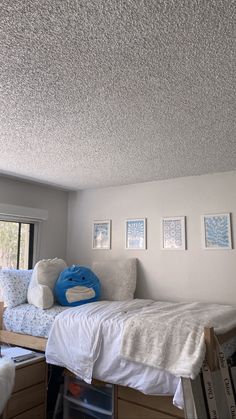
(125,374)
(25,325)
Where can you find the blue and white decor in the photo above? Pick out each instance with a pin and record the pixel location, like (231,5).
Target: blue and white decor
(135,233)
(101,234)
(173,233)
(216,231)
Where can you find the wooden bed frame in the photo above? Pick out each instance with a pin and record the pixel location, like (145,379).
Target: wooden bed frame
(126,397)
(18,339)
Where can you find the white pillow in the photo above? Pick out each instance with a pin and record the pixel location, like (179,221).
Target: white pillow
(45,274)
(117,278)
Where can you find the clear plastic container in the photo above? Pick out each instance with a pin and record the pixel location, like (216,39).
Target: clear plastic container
(92,398)
(72,410)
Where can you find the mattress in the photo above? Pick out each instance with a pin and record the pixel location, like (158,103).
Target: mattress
(30,320)
(109,366)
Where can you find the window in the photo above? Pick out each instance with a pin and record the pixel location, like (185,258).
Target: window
(16,244)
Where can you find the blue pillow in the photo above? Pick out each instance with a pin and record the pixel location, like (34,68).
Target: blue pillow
(77,285)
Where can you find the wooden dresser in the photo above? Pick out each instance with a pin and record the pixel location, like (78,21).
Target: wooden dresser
(29,396)
(132,404)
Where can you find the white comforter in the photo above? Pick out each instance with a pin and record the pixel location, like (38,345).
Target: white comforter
(87,339)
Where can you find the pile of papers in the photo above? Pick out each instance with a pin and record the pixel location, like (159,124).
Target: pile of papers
(16,353)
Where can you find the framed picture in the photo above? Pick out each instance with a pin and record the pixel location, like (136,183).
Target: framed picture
(216,231)
(173,233)
(135,233)
(101,234)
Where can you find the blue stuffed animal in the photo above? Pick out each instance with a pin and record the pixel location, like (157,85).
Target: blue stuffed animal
(77,285)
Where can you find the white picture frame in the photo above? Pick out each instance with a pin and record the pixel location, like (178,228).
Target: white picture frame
(173,233)
(101,235)
(216,231)
(135,234)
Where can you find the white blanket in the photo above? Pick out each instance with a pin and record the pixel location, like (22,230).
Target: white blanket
(170,335)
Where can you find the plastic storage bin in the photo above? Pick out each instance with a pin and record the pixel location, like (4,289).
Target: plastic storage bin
(73,411)
(87,401)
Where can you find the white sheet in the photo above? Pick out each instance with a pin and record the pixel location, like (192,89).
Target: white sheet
(87,339)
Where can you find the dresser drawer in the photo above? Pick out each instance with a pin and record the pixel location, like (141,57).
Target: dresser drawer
(27,376)
(163,403)
(35,413)
(127,410)
(25,399)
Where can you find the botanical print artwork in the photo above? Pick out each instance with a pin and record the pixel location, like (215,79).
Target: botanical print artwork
(135,234)
(217,231)
(101,235)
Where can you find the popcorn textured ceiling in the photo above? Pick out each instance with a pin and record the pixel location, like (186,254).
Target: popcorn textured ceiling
(99,93)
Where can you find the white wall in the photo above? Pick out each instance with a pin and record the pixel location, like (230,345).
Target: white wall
(194,274)
(53,231)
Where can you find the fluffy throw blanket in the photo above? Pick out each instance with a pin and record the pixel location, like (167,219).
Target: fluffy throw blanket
(170,335)
(7,376)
